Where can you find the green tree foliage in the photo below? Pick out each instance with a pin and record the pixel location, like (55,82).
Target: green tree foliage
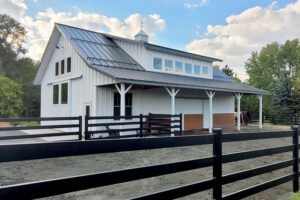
(276,69)
(14,66)
(10,98)
(228,71)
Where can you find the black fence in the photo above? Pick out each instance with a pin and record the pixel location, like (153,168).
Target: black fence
(275,119)
(106,127)
(73,123)
(58,186)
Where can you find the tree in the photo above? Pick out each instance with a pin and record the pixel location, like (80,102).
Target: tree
(23,72)
(12,37)
(228,71)
(276,69)
(14,66)
(10,98)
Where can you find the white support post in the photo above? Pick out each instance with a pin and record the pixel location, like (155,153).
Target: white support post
(122,91)
(173,94)
(210,95)
(260,110)
(238,96)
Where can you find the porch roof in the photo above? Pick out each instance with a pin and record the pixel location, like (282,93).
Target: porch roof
(218,83)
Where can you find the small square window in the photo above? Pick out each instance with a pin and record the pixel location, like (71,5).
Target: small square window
(64,93)
(178,66)
(157,63)
(169,65)
(205,70)
(57,69)
(69,65)
(197,69)
(188,68)
(62,65)
(55,94)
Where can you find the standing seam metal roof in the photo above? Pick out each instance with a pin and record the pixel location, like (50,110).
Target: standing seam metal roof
(101,53)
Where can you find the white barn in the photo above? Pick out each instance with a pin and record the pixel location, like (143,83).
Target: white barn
(108,75)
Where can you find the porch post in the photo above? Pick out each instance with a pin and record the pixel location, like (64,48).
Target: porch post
(173,94)
(210,95)
(260,110)
(238,96)
(122,91)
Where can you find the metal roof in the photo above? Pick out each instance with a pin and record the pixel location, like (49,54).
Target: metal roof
(98,50)
(179,81)
(180,53)
(101,53)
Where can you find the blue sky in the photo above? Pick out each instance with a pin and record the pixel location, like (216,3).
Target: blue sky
(226,29)
(182,24)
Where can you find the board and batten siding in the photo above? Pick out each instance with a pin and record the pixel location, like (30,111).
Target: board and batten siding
(145,58)
(82,82)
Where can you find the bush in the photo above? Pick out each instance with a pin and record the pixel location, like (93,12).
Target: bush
(10,98)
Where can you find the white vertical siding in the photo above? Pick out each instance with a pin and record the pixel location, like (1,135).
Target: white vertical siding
(145,58)
(81,90)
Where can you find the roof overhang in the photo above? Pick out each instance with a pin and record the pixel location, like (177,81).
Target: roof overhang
(159,84)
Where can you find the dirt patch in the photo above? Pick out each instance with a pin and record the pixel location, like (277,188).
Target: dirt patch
(5,124)
(18,172)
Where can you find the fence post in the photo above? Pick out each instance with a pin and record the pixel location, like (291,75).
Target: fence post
(80,128)
(86,127)
(180,129)
(295,159)
(141,125)
(217,163)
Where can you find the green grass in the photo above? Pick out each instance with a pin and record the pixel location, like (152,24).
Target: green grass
(295,196)
(33,123)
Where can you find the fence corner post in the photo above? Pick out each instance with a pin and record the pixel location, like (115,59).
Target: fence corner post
(80,128)
(141,125)
(217,163)
(295,159)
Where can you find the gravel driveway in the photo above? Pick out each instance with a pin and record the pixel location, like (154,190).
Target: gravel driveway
(18,172)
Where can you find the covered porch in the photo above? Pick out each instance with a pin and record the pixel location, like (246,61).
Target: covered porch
(202,108)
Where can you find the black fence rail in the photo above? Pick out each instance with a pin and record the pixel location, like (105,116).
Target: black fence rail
(275,119)
(58,186)
(73,123)
(107,127)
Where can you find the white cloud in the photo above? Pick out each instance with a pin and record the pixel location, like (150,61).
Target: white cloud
(14,8)
(248,31)
(40,26)
(196,3)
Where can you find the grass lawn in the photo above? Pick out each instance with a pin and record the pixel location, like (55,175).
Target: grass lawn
(295,196)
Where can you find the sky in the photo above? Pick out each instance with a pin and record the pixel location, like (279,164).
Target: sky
(226,29)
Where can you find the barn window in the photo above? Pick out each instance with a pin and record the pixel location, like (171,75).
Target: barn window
(57,69)
(55,94)
(117,105)
(188,68)
(157,63)
(197,69)
(69,65)
(178,66)
(64,93)
(62,65)
(205,70)
(169,65)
